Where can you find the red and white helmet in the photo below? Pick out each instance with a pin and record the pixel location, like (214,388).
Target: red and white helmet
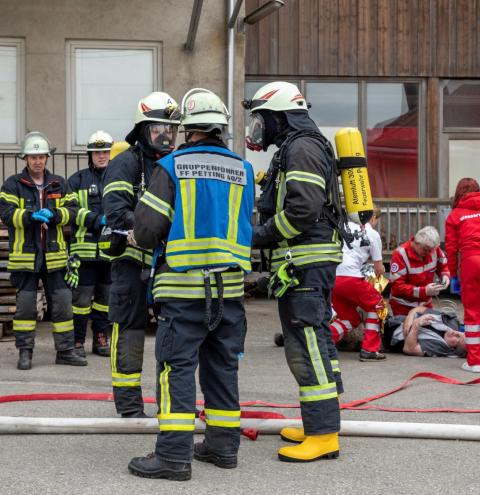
(156,107)
(278,96)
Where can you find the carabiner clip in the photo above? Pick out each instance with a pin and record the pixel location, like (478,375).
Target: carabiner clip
(288,255)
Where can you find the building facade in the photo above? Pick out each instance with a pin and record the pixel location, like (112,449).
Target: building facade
(405,72)
(68,67)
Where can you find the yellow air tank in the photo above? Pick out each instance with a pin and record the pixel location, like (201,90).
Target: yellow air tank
(353,170)
(117,148)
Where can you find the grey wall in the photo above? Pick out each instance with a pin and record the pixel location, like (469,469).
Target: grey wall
(46,25)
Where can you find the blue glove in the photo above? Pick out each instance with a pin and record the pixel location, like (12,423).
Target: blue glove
(455,285)
(46,213)
(103,220)
(39,217)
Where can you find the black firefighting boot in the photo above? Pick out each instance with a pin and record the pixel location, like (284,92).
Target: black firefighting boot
(101,345)
(80,350)
(71,358)
(25,359)
(203,454)
(153,466)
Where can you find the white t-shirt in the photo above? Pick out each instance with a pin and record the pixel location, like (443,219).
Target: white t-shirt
(355,258)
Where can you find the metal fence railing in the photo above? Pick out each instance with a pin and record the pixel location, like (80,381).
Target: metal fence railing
(401,218)
(64,164)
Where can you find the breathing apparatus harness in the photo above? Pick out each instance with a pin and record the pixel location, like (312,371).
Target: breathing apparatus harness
(333,211)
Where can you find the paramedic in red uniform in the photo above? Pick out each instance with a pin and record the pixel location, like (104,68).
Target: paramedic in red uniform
(462,244)
(351,290)
(413,268)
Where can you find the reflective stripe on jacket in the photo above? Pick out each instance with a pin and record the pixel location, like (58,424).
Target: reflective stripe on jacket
(28,240)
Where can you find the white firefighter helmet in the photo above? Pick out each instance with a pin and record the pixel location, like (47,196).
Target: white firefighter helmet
(203,110)
(36,143)
(278,96)
(100,141)
(156,107)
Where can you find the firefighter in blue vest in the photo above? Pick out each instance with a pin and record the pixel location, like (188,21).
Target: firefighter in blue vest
(90,297)
(305,248)
(125,181)
(199,204)
(35,205)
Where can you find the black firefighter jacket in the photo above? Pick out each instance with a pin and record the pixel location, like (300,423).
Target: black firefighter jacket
(29,240)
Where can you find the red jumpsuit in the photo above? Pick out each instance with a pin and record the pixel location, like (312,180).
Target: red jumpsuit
(410,274)
(462,237)
(351,290)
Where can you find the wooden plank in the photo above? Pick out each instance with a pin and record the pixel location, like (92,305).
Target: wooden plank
(8,299)
(367,37)
(266,59)
(347,37)
(406,38)
(251,43)
(309,32)
(425,34)
(464,54)
(328,38)
(387,37)
(288,43)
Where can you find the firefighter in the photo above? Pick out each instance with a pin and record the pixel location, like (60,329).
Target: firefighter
(305,249)
(199,202)
(414,266)
(90,297)
(35,205)
(125,181)
(351,290)
(462,244)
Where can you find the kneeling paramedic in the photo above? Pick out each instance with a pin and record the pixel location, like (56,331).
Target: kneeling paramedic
(36,205)
(304,251)
(90,297)
(200,202)
(126,179)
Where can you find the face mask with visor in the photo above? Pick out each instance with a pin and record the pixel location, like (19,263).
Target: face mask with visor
(161,137)
(255,139)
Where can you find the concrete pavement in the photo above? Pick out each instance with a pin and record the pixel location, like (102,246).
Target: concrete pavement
(84,464)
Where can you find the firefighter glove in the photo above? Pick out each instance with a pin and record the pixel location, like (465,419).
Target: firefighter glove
(282,280)
(38,217)
(71,277)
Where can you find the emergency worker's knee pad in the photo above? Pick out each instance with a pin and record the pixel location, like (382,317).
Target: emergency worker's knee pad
(82,296)
(61,305)
(26,305)
(102,292)
(129,350)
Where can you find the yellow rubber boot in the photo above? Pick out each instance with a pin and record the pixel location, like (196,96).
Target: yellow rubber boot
(295,435)
(312,448)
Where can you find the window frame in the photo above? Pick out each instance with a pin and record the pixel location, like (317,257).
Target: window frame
(19,44)
(156,47)
(362,109)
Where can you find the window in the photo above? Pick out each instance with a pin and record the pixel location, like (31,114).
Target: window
(106,81)
(392,139)
(334,106)
(461,104)
(387,115)
(11,92)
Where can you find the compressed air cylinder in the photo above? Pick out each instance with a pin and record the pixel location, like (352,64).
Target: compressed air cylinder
(117,148)
(354,174)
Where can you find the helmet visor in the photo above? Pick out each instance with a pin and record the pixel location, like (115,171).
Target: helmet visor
(161,137)
(255,138)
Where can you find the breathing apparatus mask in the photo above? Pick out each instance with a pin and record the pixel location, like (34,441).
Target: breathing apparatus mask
(160,137)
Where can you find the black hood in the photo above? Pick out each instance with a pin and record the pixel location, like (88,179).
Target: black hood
(299,120)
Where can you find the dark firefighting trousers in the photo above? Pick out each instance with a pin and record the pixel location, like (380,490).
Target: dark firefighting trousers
(59,300)
(182,343)
(129,314)
(90,299)
(311,356)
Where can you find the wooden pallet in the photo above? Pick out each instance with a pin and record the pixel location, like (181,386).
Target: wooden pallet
(8,292)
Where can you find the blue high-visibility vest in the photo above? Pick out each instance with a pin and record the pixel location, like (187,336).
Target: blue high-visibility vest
(214,200)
